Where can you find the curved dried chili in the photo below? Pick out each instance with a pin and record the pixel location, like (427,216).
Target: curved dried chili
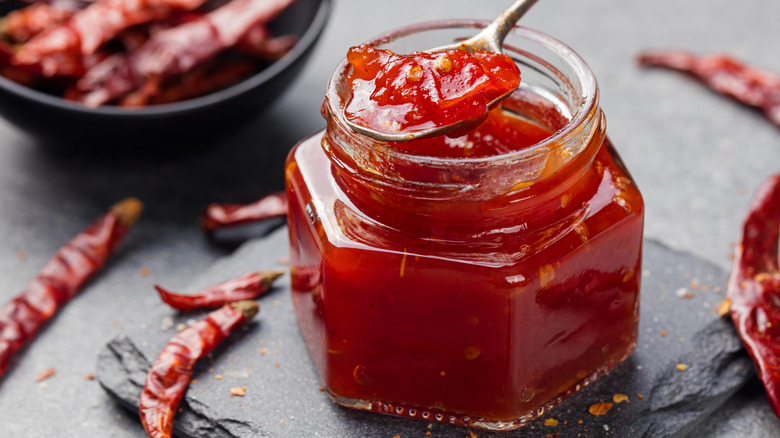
(172,370)
(62,277)
(754,287)
(225,215)
(726,75)
(245,287)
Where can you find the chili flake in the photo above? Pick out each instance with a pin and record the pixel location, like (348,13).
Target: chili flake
(472,434)
(619,398)
(681,367)
(546,275)
(663,333)
(238,391)
(45,374)
(600,408)
(552,422)
(89,376)
(472,352)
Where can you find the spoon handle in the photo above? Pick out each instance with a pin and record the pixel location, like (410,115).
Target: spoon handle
(500,27)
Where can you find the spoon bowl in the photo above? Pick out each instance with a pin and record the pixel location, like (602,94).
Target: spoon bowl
(490,39)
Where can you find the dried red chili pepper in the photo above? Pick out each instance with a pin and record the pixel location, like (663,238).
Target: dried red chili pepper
(175,51)
(95,25)
(172,370)
(198,82)
(726,75)
(754,287)
(63,277)
(22,24)
(259,42)
(224,215)
(245,287)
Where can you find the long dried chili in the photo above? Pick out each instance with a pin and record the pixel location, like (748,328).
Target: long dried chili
(225,215)
(754,286)
(246,287)
(62,277)
(172,370)
(95,25)
(726,75)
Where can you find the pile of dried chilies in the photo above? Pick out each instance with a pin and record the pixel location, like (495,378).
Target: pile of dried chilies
(137,53)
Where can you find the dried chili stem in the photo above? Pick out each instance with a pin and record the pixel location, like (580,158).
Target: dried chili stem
(726,75)
(172,370)
(754,286)
(62,277)
(245,287)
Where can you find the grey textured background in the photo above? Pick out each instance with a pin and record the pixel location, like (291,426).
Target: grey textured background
(696,156)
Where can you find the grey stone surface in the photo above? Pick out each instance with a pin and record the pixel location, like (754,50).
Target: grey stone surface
(282,396)
(696,156)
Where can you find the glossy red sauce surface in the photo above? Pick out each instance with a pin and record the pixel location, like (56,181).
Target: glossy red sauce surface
(394,93)
(495,136)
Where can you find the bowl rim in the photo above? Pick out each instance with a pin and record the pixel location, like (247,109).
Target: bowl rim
(305,43)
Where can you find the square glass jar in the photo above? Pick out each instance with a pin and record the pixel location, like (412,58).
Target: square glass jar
(472,291)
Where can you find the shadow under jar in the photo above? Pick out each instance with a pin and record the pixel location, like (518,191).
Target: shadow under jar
(476,291)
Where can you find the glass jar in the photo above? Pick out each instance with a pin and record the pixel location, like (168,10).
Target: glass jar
(472,291)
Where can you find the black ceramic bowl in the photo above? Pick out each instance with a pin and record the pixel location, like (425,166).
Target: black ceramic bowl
(54,120)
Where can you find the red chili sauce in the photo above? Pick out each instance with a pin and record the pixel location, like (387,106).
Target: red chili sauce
(478,312)
(392,93)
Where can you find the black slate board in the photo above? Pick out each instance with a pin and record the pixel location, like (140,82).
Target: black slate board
(678,325)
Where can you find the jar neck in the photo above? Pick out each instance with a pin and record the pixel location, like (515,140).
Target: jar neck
(403,189)
(382,182)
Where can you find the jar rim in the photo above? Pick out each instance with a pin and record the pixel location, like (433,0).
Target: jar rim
(587,101)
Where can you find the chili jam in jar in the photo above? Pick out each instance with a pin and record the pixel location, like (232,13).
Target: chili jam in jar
(472,288)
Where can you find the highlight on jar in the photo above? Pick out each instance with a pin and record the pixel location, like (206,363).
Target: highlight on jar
(476,279)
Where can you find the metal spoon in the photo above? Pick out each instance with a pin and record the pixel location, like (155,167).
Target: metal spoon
(490,39)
